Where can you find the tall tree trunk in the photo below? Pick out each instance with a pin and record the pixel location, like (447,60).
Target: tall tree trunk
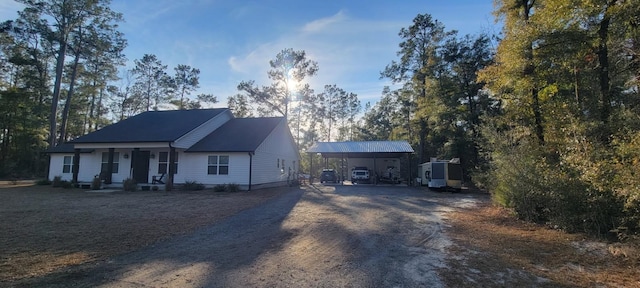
(67,104)
(603,69)
(529,72)
(98,108)
(62,51)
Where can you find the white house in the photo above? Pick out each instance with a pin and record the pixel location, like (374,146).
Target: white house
(208,146)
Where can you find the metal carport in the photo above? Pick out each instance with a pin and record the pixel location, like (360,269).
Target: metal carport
(362,149)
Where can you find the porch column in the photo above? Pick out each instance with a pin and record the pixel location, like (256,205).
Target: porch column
(109,171)
(172,168)
(76,165)
(410,178)
(375,170)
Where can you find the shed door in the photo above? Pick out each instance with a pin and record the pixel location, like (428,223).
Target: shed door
(140,166)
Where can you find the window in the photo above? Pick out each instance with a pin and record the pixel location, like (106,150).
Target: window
(163,163)
(218,165)
(67,163)
(105,162)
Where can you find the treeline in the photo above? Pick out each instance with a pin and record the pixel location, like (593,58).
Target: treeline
(548,121)
(60,79)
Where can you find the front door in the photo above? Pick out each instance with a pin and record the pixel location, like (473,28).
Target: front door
(140,166)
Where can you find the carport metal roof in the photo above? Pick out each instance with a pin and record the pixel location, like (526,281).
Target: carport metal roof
(361,149)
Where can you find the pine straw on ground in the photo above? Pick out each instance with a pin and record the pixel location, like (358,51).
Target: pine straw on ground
(492,248)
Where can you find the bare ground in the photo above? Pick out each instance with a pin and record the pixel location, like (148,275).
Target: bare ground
(331,236)
(45,229)
(493,249)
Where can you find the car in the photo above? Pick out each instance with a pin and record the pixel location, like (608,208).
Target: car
(328,176)
(359,175)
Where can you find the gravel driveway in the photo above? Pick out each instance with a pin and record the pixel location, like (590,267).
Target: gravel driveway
(323,236)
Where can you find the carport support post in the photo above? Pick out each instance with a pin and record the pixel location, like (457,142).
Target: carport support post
(310,168)
(76,165)
(342,169)
(375,170)
(410,178)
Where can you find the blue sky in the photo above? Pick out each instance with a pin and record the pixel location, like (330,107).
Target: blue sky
(231,41)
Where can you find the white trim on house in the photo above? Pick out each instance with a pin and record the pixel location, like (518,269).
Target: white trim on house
(195,135)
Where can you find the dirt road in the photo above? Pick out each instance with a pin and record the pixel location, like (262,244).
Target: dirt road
(340,236)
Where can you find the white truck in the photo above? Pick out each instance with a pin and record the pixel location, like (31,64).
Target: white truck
(360,175)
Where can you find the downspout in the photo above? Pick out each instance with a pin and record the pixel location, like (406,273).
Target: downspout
(250,168)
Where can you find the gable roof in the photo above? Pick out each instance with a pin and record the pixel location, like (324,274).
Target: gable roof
(238,135)
(363,149)
(151,126)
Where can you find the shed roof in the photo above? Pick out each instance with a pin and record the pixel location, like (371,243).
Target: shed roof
(238,135)
(361,149)
(151,126)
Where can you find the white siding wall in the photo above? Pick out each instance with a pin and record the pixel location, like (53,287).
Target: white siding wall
(205,129)
(55,167)
(267,162)
(194,167)
(90,164)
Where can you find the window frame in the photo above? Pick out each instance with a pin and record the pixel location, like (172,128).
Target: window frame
(218,165)
(104,162)
(165,164)
(67,167)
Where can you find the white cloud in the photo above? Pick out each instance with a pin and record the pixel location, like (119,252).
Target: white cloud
(322,24)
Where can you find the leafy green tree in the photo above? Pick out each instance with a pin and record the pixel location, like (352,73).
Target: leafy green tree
(152,82)
(288,68)
(333,104)
(239,105)
(420,66)
(57,20)
(185,80)
(96,48)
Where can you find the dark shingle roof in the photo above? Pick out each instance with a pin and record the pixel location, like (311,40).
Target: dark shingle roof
(237,135)
(152,126)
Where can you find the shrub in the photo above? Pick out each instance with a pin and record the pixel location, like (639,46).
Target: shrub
(220,188)
(130,185)
(57,181)
(66,184)
(233,187)
(96,183)
(193,186)
(43,181)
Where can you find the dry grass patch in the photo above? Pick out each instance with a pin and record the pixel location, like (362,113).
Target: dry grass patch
(45,229)
(492,248)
